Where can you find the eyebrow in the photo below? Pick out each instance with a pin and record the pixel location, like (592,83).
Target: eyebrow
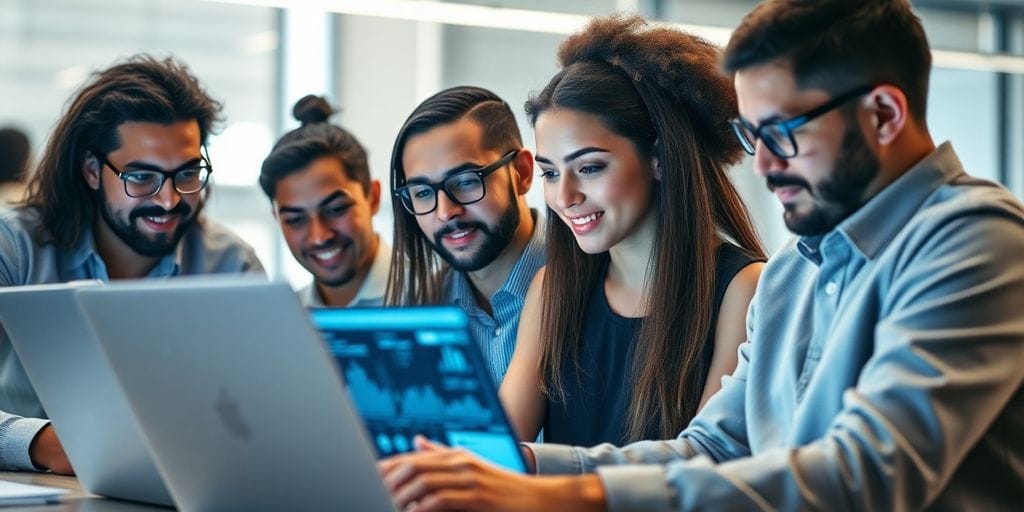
(572,156)
(323,202)
(145,166)
(467,166)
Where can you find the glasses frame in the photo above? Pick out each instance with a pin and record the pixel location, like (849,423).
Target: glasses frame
(402,193)
(204,161)
(788,126)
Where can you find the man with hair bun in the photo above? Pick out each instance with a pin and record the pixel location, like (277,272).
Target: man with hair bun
(318,181)
(118,195)
(882,367)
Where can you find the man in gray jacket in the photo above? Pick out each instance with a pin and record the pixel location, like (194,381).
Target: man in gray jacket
(118,195)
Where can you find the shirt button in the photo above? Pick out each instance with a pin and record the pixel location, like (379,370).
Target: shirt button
(497,332)
(831,288)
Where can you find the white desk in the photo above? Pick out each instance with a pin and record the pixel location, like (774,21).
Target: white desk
(77,500)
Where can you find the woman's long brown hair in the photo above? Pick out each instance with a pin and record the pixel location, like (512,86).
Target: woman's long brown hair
(662,89)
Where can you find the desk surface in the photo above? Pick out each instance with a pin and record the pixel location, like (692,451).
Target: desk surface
(77,500)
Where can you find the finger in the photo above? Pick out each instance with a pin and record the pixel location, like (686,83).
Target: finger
(402,469)
(425,484)
(468,500)
(423,444)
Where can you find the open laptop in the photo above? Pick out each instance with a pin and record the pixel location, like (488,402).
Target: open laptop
(417,371)
(236,394)
(70,374)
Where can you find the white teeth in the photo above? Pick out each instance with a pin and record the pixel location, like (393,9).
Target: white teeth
(163,219)
(458,234)
(579,221)
(326,255)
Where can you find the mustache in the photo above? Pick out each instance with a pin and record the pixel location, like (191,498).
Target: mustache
(459,226)
(774,181)
(181,209)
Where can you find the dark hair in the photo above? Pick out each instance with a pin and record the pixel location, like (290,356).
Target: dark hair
(14,153)
(142,89)
(838,44)
(314,139)
(415,267)
(662,89)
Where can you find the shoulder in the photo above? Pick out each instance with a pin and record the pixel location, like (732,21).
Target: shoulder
(209,247)
(18,231)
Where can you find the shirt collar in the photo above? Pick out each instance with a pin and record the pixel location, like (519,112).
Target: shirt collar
(86,255)
(871,227)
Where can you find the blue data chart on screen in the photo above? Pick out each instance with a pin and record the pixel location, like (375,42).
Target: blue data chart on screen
(421,377)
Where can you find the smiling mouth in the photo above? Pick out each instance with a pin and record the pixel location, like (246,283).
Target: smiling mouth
(326,255)
(586,219)
(457,235)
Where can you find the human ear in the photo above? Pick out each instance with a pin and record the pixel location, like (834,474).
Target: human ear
(91,168)
(888,113)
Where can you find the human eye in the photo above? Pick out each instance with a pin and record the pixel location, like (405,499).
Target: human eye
(421,193)
(590,168)
(294,221)
(138,177)
(337,210)
(548,174)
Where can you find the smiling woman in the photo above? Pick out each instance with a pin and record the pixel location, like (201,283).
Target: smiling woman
(642,305)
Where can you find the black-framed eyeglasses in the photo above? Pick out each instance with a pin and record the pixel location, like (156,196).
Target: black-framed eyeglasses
(778,134)
(141,183)
(466,187)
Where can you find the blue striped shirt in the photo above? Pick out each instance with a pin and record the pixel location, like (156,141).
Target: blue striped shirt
(496,335)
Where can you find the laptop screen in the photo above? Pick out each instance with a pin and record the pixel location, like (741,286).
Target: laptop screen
(416,371)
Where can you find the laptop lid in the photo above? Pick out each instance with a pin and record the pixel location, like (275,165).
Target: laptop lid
(72,378)
(417,371)
(237,396)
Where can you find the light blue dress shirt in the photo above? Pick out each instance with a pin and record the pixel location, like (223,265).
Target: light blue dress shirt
(883,370)
(496,334)
(207,248)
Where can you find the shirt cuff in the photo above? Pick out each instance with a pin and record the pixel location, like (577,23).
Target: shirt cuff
(555,459)
(15,442)
(636,487)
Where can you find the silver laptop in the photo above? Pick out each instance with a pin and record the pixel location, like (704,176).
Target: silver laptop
(69,372)
(241,404)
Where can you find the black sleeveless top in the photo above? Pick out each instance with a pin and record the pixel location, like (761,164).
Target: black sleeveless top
(596,412)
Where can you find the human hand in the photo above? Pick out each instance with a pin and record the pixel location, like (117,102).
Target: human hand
(46,452)
(438,478)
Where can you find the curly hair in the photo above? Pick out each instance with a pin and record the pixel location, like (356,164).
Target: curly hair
(662,89)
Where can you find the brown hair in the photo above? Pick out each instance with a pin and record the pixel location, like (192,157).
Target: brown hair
(837,45)
(141,89)
(662,89)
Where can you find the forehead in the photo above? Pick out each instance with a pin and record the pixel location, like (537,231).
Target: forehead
(316,181)
(770,89)
(431,153)
(139,138)
(568,127)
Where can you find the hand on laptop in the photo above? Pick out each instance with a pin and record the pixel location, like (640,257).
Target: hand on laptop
(437,478)
(47,453)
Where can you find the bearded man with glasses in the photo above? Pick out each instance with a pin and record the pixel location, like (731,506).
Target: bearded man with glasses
(117,195)
(463,233)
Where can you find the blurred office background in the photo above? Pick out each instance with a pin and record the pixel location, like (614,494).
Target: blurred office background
(376,59)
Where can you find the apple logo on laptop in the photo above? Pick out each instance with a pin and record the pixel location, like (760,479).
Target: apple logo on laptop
(231,416)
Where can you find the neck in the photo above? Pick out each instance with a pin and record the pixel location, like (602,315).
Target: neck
(895,159)
(121,261)
(340,296)
(489,279)
(631,257)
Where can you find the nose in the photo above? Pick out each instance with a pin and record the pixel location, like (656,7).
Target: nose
(446,208)
(568,194)
(319,232)
(168,196)
(766,162)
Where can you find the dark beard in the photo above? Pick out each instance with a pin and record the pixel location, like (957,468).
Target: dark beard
(135,239)
(839,196)
(496,239)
